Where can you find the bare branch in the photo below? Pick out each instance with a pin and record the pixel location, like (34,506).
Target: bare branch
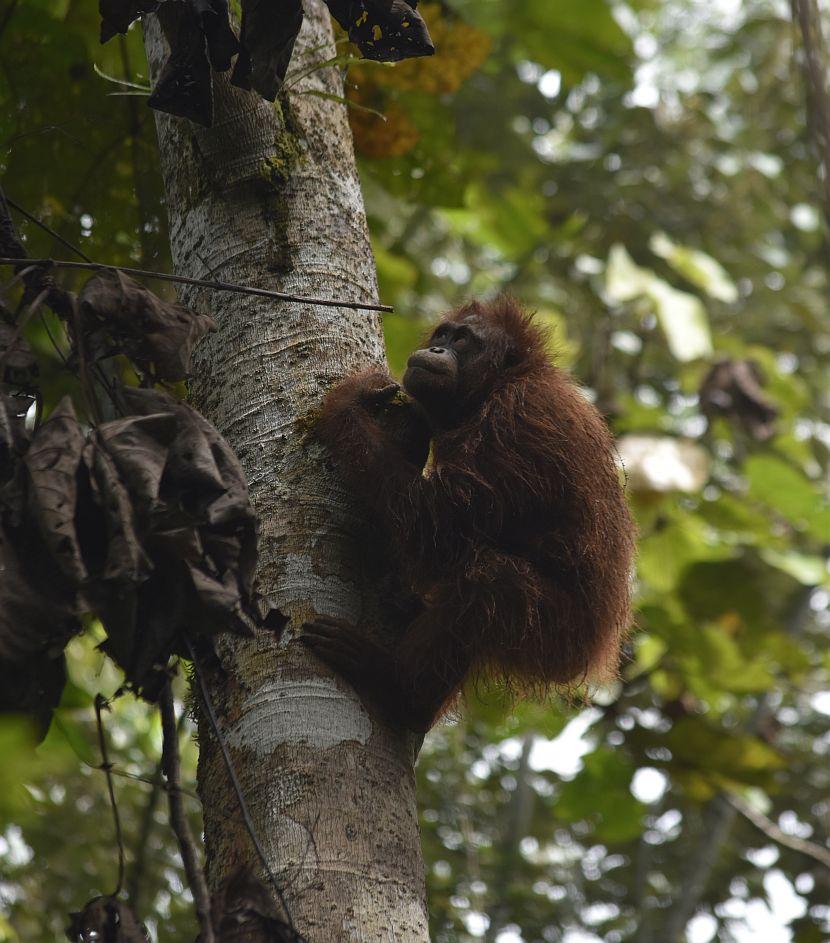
(178,817)
(106,766)
(47,229)
(202,283)
(771,830)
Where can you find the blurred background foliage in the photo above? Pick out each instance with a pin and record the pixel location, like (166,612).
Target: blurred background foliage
(642,175)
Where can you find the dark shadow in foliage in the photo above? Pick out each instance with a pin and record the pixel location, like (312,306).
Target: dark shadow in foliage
(106,920)
(119,315)
(200,36)
(243,911)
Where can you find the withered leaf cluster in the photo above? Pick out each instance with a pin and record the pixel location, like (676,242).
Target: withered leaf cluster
(202,41)
(106,920)
(143,521)
(734,389)
(243,911)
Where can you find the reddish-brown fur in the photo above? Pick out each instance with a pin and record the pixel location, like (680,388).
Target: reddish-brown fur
(517,540)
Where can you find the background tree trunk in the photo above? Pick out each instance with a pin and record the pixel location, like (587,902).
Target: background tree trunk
(270,196)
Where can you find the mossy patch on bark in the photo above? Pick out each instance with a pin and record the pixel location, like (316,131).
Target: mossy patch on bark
(276,168)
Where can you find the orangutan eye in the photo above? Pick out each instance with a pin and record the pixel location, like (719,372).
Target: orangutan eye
(465,338)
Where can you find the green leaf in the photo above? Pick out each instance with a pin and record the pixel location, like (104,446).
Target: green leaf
(699,268)
(697,744)
(601,794)
(808,570)
(396,274)
(676,544)
(648,651)
(573,38)
(719,664)
(682,316)
(789,492)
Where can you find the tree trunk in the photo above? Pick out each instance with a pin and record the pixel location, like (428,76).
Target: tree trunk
(270,197)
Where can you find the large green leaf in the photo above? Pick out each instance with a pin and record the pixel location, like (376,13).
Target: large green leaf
(790,493)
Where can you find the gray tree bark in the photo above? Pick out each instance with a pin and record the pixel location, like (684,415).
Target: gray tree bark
(270,197)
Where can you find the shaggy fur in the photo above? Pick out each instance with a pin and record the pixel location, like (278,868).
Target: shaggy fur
(517,539)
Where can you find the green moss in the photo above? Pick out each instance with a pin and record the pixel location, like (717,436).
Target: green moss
(288,150)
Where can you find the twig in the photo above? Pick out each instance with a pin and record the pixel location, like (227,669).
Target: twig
(47,229)
(178,818)
(136,778)
(106,766)
(771,830)
(237,786)
(134,122)
(35,278)
(201,283)
(136,875)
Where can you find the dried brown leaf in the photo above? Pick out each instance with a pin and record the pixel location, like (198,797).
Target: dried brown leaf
(37,618)
(53,461)
(109,537)
(106,920)
(36,610)
(386,30)
(18,368)
(204,480)
(267,41)
(221,42)
(734,389)
(154,334)
(116,15)
(139,447)
(185,86)
(14,440)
